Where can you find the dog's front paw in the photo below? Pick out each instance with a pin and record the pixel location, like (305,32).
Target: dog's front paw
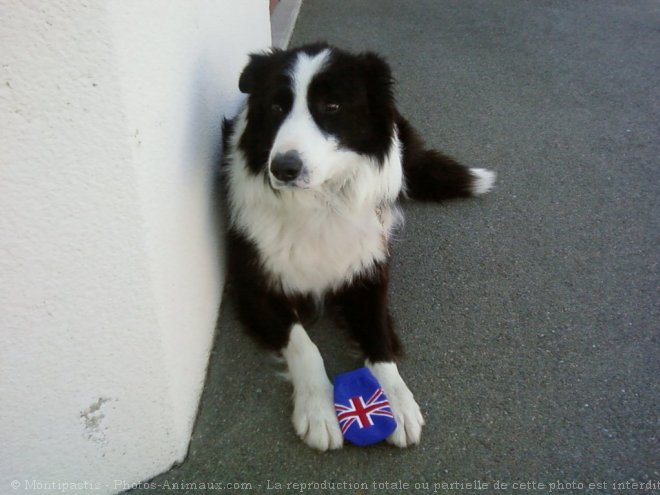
(315,420)
(409,420)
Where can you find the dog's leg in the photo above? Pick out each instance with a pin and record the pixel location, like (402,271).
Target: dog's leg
(314,412)
(365,306)
(272,318)
(275,325)
(432,176)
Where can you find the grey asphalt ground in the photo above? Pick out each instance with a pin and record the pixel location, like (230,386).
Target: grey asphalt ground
(531,315)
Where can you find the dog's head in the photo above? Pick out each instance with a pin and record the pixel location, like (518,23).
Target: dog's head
(314,113)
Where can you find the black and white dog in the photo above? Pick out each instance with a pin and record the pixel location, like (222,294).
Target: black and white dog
(314,167)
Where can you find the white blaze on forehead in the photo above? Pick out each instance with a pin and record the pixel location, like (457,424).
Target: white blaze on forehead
(299,131)
(304,70)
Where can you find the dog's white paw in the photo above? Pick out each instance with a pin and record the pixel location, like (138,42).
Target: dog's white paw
(409,420)
(314,418)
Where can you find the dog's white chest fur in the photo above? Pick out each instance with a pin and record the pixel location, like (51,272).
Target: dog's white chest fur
(315,250)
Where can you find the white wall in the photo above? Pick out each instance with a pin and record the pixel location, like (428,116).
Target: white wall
(110,274)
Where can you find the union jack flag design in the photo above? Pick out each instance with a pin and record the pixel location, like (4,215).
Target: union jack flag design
(362,422)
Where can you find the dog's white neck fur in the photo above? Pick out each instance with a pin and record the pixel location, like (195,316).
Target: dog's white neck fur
(344,221)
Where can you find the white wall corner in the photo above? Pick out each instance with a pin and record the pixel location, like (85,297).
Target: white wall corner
(109,249)
(283,20)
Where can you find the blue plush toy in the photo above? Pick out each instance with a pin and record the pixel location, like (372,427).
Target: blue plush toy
(363,411)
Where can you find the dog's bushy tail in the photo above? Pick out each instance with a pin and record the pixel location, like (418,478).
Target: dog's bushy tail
(432,176)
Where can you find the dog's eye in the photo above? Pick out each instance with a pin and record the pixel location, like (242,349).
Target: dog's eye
(276,109)
(331,107)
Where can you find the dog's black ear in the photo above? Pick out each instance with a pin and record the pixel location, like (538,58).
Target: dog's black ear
(379,85)
(255,70)
(377,71)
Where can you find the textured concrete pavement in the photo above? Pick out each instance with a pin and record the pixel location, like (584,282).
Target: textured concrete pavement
(530,316)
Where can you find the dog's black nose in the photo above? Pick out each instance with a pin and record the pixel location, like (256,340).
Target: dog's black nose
(286,166)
